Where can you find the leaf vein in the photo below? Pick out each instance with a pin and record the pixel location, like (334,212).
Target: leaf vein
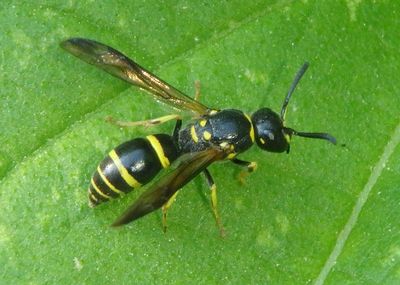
(362,199)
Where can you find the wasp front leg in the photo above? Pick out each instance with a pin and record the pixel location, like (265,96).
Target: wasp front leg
(146,123)
(214,200)
(249,165)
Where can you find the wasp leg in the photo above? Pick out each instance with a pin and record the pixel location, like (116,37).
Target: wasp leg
(197,88)
(250,165)
(213,188)
(165,208)
(146,123)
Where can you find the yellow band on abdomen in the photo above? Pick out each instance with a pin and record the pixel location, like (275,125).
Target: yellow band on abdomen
(108,183)
(159,150)
(129,179)
(98,190)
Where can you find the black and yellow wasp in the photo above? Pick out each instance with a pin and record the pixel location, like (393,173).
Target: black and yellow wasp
(213,135)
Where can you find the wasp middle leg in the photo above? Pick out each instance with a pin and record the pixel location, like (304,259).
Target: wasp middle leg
(214,201)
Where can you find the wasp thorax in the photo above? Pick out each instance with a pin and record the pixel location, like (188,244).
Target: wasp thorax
(270,134)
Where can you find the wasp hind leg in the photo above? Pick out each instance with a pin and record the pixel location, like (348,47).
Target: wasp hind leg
(249,165)
(213,188)
(146,123)
(165,208)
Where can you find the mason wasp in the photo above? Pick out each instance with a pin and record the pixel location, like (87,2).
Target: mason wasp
(213,135)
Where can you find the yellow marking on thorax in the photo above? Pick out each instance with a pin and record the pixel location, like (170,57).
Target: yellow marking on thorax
(203,123)
(206,135)
(262,140)
(98,190)
(231,155)
(229,148)
(108,183)
(226,146)
(251,129)
(193,134)
(129,179)
(159,150)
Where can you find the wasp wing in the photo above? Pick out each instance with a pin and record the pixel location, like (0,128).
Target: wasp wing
(119,65)
(162,190)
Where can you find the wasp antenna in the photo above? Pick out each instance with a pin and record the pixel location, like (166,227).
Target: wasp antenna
(322,136)
(296,80)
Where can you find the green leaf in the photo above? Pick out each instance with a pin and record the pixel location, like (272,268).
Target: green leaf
(322,214)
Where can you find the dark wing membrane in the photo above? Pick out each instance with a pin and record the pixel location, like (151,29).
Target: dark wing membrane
(162,190)
(119,65)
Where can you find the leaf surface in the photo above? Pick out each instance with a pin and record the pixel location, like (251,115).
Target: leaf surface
(322,214)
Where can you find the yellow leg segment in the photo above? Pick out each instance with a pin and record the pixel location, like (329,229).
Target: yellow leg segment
(250,167)
(214,202)
(146,123)
(244,173)
(165,208)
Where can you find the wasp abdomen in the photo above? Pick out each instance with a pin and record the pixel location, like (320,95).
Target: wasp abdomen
(130,165)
